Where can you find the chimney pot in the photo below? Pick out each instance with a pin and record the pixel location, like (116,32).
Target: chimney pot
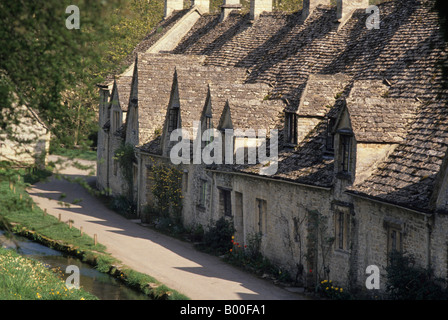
(203,5)
(172,5)
(228,6)
(345,8)
(259,6)
(310,5)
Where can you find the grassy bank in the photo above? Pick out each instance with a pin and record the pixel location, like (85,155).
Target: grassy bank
(27,279)
(21,215)
(75,153)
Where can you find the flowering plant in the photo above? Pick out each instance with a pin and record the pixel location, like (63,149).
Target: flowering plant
(329,290)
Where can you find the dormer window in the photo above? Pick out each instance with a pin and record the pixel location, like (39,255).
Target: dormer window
(208,125)
(329,142)
(116,120)
(173,120)
(291,128)
(345,152)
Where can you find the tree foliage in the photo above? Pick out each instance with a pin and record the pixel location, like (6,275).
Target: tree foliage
(54,70)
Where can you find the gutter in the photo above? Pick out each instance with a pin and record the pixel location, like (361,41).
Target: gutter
(426,214)
(270,179)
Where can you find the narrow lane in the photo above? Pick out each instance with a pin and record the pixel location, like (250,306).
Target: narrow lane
(173,262)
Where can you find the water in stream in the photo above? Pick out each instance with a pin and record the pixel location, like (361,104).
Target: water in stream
(99,284)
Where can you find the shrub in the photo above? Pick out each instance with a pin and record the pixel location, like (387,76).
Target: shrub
(406,281)
(123,206)
(218,238)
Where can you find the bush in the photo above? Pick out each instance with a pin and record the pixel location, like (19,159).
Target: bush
(406,281)
(124,206)
(218,238)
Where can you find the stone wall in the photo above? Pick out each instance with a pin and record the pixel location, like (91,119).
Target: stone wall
(284,222)
(375,222)
(102,143)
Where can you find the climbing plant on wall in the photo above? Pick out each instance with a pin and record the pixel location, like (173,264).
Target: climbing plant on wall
(167,191)
(126,157)
(319,241)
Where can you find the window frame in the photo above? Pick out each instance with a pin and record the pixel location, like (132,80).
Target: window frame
(173,119)
(397,243)
(342,228)
(203,193)
(345,153)
(262,206)
(329,141)
(291,128)
(208,125)
(116,120)
(225,200)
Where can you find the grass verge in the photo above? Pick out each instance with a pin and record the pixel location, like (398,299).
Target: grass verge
(75,153)
(21,215)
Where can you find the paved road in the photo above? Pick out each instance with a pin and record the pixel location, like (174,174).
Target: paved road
(173,262)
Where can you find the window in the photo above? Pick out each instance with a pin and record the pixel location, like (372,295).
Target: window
(116,119)
(345,142)
(393,239)
(115,167)
(291,128)
(225,202)
(342,222)
(208,125)
(134,173)
(173,119)
(185,181)
(329,143)
(341,236)
(203,193)
(261,208)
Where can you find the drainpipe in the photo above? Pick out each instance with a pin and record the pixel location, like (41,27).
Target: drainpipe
(428,241)
(139,171)
(107,164)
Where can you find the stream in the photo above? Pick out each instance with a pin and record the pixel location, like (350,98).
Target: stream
(102,285)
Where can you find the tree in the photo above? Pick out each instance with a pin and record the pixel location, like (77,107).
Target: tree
(53,69)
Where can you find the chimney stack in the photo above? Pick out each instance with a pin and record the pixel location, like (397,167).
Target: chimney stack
(259,6)
(345,8)
(228,6)
(310,5)
(202,5)
(172,5)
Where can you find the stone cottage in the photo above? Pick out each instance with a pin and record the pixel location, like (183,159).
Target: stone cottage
(361,116)
(27,141)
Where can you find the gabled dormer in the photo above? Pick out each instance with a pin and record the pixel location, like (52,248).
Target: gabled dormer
(173,117)
(369,127)
(344,145)
(116,114)
(132,123)
(225,123)
(207,120)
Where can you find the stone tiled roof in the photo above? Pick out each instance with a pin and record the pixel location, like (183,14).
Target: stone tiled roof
(249,113)
(222,92)
(124,91)
(376,118)
(321,93)
(155,78)
(407,177)
(305,164)
(193,84)
(157,32)
(380,74)
(281,50)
